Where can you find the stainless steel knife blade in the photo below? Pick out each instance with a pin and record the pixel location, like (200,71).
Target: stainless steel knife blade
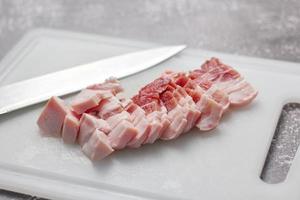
(35,90)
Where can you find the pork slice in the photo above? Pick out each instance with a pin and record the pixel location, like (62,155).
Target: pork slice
(111,84)
(114,120)
(219,96)
(189,109)
(187,93)
(88,99)
(175,128)
(142,125)
(196,114)
(154,132)
(228,80)
(227,85)
(122,134)
(70,128)
(211,113)
(192,117)
(176,112)
(88,124)
(189,114)
(243,96)
(209,110)
(52,117)
(137,115)
(159,122)
(240,92)
(211,90)
(98,146)
(109,107)
(131,106)
(165,122)
(178,123)
(143,128)
(156,126)
(148,120)
(150,107)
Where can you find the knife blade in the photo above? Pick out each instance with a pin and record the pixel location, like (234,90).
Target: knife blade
(39,89)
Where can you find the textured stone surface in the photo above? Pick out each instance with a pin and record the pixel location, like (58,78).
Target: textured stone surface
(268,29)
(284,145)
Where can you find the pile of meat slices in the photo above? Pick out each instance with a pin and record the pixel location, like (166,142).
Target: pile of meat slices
(101,120)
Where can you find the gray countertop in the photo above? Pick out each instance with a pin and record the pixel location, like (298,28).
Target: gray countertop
(268,29)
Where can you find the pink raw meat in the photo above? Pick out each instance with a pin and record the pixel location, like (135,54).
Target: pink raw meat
(111,84)
(163,109)
(88,124)
(109,107)
(226,77)
(177,125)
(137,114)
(211,114)
(154,133)
(70,128)
(210,111)
(143,129)
(98,146)
(123,133)
(206,86)
(243,96)
(87,99)
(154,120)
(114,120)
(52,117)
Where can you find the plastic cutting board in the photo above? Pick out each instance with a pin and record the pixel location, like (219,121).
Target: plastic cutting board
(222,164)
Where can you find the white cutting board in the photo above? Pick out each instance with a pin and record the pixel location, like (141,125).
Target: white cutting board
(222,164)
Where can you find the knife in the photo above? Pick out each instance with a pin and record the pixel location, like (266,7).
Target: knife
(39,89)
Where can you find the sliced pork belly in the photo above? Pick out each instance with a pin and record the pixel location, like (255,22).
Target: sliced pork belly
(156,94)
(88,124)
(122,134)
(98,146)
(207,112)
(159,123)
(211,114)
(113,112)
(112,85)
(109,107)
(210,111)
(149,100)
(153,121)
(178,122)
(243,93)
(154,132)
(70,128)
(52,117)
(114,120)
(189,108)
(224,77)
(177,115)
(206,85)
(88,99)
(142,126)
(102,119)
(159,120)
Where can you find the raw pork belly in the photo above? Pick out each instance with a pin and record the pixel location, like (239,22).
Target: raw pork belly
(227,79)
(70,128)
(101,119)
(97,146)
(52,117)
